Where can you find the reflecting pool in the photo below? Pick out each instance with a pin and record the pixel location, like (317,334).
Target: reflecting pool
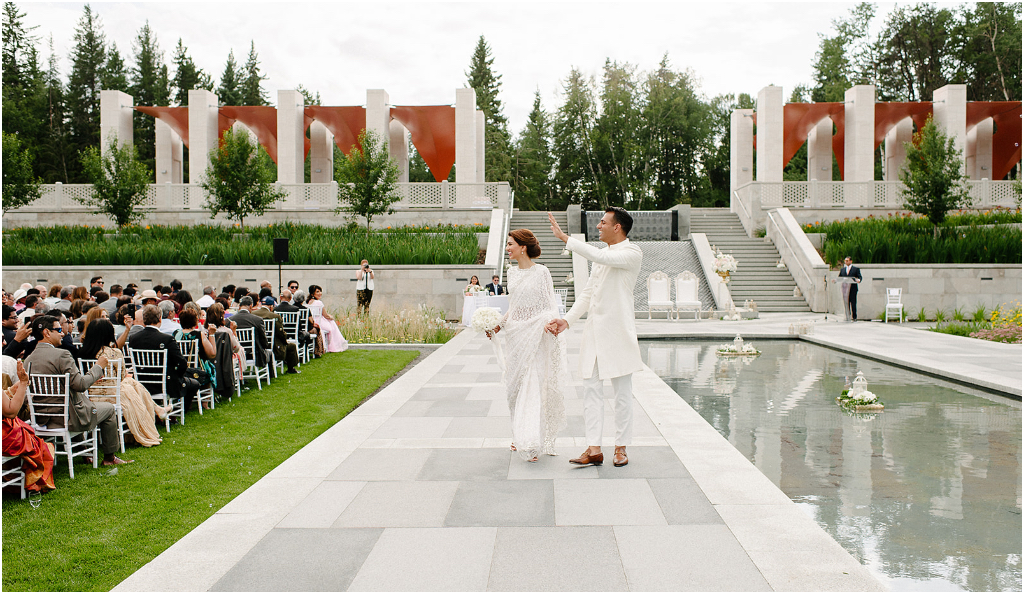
(926,494)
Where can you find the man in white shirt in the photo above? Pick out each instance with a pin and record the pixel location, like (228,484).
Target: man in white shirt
(207,299)
(610,349)
(167,323)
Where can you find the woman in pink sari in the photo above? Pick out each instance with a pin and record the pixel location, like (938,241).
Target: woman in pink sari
(334,341)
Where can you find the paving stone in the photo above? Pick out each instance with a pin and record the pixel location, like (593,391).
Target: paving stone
(457,408)
(454,378)
(367,464)
(697,558)
(428,560)
(387,504)
(550,467)
(465,465)
(606,502)
(301,559)
(437,393)
(644,462)
(503,503)
(479,427)
(397,427)
(683,502)
(323,506)
(574,426)
(558,559)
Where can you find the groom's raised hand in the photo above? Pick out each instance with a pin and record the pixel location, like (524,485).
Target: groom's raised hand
(556,229)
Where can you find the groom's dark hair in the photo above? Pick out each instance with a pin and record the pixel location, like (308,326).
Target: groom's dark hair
(621,218)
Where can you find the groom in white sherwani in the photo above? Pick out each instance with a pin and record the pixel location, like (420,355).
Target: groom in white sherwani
(610,349)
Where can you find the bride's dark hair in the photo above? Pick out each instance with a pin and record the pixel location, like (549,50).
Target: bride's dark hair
(527,239)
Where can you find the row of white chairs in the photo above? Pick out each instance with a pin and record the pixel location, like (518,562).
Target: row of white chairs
(659,294)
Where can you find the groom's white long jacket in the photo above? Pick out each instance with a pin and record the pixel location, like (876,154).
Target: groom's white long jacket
(609,334)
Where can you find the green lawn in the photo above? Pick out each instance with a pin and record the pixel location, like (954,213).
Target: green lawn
(94,531)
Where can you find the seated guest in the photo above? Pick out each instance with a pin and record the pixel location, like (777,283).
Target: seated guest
(111,304)
(334,341)
(312,336)
(76,308)
(65,298)
(244,318)
(494,287)
(137,405)
(30,307)
(123,319)
(229,289)
(283,350)
(53,295)
(293,285)
(20,440)
(239,293)
(96,282)
(19,299)
(167,324)
(192,329)
(207,299)
(266,292)
(180,299)
(83,415)
(11,321)
(79,293)
(215,322)
(101,297)
(149,297)
(151,338)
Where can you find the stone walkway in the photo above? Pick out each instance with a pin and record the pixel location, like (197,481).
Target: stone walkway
(416,490)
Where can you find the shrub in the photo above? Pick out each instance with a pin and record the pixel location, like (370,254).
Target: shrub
(120,182)
(240,178)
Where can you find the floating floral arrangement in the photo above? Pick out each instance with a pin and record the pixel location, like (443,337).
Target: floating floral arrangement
(738,348)
(858,399)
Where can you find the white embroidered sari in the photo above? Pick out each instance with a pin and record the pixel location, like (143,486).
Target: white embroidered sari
(536,372)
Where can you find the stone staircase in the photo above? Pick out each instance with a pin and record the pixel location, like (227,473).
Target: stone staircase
(756,276)
(550,247)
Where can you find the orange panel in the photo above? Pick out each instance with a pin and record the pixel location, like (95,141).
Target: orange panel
(344,122)
(175,117)
(797,121)
(432,129)
(887,115)
(1006,141)
(261,119)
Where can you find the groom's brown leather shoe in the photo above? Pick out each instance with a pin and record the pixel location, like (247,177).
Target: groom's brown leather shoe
(620,458)
(586,458)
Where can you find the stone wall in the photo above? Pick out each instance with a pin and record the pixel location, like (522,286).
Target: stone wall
(932,286)
(438,286)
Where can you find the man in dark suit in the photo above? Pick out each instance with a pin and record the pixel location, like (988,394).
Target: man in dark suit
(283,350)
(288,304)
(494,287)
(152,339)
(850,289)
(83,414)
(244,318)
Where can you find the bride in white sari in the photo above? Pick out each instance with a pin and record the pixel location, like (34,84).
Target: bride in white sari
(536,372)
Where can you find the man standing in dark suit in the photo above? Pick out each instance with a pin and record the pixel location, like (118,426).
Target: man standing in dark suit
(244,318)
(494,287)
(152,339)
(850,289)
(83,414)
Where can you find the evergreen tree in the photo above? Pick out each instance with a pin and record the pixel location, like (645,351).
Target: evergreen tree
(534,164)
(187,76)
(88,58)
(497,140)
(22,78)
(576,175)
(229,92)
(620,139)
(56,158)
(251,87)
(114,76)
(17,40)
(150,85)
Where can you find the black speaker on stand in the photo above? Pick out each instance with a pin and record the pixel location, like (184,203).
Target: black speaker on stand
(280,257)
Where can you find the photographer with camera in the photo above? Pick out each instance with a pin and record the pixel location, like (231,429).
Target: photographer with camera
(364,287)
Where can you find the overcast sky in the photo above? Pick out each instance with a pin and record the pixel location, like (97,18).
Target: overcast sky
(419,51)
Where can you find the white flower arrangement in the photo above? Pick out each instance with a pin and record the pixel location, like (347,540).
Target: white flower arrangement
(857,398)
(724,263)
(473,289)
(738,348)
(485,319)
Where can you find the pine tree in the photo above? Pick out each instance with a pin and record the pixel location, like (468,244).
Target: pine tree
(115,75)
(576,175)
(57,158)
(229,91)
(87,59)
(251,87)
(620,138)
(150,85)
(497,140)
(534,165)
(187,76)
(20,76)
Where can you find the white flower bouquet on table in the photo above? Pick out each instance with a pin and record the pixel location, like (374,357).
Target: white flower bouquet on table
(470,289)
(485,319)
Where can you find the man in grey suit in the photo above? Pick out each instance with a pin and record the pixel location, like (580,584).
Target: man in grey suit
(83,414)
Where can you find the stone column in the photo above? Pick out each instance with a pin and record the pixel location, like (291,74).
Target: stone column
(949,105)
(168,154)
(819,151)
(465,136)
(859,145)
(399,147)
(378,114)
(769,134)
(895,150)
(741,151)
(481,147)
(290,137)
(321,154)
(202,132)
(116,114)
(979,150)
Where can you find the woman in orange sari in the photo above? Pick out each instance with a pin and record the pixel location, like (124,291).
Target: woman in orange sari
(20,440)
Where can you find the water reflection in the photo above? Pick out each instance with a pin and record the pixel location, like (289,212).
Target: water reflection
(927,494)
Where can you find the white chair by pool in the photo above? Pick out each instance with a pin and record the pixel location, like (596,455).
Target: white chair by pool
(687,298)
(659,293)
(893,304)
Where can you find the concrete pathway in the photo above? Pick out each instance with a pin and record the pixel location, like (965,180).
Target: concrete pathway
(417,490)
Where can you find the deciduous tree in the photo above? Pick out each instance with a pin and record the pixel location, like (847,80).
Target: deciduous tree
(240,178)
(367,179)
(20,185)
(933,181)
(119,179)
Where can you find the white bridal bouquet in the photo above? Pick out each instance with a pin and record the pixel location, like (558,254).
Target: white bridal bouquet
(473,289)
(485,319)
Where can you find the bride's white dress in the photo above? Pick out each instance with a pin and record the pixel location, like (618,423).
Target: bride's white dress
(536,371)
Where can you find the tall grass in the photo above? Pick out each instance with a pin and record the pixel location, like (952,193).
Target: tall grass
(207,245)
(388,325)
(909,240)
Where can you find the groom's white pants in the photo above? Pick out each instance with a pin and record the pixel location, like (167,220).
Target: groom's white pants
(593,408)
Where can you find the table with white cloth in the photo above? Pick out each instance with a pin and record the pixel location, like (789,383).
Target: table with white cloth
(470,305)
